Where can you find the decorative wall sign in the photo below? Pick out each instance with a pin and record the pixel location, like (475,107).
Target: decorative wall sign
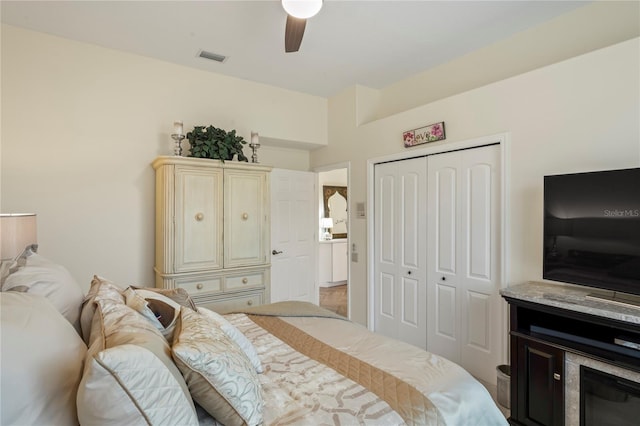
(431,133)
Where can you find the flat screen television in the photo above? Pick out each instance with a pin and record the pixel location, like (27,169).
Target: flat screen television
(592,229)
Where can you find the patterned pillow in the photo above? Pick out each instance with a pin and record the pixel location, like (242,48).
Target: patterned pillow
(220,377)
(237,336)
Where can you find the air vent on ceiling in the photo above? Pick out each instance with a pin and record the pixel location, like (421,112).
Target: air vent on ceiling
(212,56)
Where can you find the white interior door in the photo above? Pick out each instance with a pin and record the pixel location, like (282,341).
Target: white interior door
(400,250)
(293,236)
(463,226)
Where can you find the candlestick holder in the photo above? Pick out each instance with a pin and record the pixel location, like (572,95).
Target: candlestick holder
(254,145)
(177,150)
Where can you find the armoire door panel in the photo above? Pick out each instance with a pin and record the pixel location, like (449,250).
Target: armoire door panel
(244,219)
(199,221)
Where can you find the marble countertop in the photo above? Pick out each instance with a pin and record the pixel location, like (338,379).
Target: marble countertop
(573,298)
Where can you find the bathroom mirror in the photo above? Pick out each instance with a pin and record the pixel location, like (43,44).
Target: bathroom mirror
(335,207)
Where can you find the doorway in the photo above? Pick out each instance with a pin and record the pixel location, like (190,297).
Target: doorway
(333,251)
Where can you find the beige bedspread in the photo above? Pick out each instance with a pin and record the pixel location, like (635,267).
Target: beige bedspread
(324,370)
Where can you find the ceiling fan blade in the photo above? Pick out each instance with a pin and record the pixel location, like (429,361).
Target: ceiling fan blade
(293,33)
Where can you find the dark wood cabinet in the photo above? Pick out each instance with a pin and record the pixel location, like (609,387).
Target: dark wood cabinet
(541,335)
(538,381)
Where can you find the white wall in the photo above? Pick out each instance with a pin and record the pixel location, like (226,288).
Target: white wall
(577,115)
(81,125)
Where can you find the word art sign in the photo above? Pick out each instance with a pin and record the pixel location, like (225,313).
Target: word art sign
(431,133)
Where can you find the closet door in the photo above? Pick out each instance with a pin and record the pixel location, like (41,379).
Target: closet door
(463,229)
(400,250)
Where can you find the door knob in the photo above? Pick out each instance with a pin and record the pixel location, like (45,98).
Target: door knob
(444,279)
(409,272)
(274,252)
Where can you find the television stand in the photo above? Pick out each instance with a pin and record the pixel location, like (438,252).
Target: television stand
(555,329)
(624,301)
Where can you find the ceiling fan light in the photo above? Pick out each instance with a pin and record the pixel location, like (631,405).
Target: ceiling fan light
(302,9)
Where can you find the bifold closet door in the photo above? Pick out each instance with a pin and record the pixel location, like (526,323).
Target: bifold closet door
(464,313)
(400,250)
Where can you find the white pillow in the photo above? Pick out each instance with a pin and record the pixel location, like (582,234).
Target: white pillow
(46,278)
(235,335)
(129,376)
(42,358)
(220,377)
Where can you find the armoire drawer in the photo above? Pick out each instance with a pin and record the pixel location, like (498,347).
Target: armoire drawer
(196,286)
(234,304)
(244,281)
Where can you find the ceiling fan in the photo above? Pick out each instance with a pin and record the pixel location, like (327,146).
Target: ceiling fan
(298,11)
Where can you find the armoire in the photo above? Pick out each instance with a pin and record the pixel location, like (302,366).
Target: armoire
(213,230)
(436,255)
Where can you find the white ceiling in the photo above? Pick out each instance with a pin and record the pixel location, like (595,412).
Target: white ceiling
(371,43)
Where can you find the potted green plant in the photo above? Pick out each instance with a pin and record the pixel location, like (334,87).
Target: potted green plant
(215,143)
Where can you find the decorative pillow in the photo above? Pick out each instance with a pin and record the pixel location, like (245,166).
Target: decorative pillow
(101,289)
(235,335)
(42,358)
(220,377)
(178,295)
(46,278)
(161,311)
(129,375)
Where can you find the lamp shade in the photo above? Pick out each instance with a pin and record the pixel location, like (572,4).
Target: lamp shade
(17,231)
(302,9)
(326,222)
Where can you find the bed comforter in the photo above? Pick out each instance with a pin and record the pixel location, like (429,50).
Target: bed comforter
(320,369)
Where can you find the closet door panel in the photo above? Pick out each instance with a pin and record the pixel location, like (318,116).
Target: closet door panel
(386,250)
(478,215)
(480,283)
(400,250)
(445,207)
(444,243)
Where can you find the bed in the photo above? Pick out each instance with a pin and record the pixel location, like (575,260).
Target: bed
(128,355)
